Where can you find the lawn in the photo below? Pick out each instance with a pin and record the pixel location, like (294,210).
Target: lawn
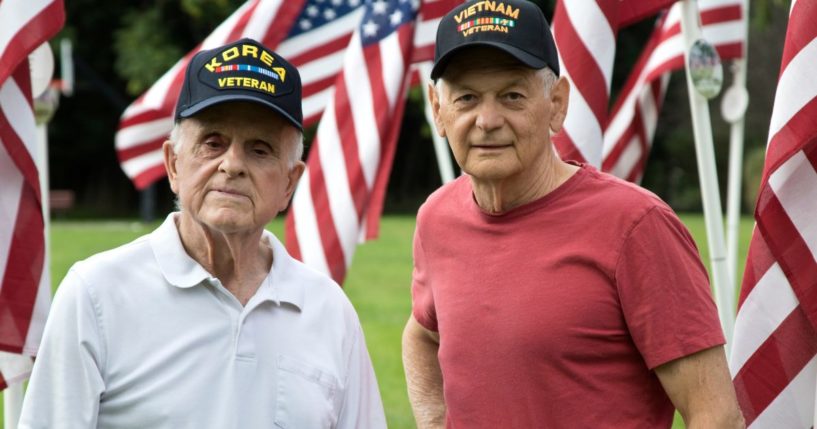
(378,285)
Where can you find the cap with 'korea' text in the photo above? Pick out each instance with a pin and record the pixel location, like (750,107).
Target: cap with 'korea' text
(517,27)
(244,70)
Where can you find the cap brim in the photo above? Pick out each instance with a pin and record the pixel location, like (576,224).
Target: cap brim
(523,57)
(196,108)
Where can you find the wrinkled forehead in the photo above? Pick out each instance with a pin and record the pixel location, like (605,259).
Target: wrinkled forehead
(483,60)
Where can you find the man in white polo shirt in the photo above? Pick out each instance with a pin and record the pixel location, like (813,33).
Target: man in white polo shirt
(207,322)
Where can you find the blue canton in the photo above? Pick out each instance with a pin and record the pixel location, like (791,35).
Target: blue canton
(384,17)
(317,13)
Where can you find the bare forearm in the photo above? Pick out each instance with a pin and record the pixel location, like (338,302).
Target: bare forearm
(423,376)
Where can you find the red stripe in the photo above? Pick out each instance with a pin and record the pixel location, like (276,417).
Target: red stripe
(422,53)
(801,31)
(637,69)
(146,116)
(318,52)
(282,23)
(758,262)
(430,10)
(141,149)
(634,11)
(24,267)
(33,34)
(802,127)
(609,163)
(3,384)
(291,234)
(567,150)
(318,86)
(775,363)
(610,9)
(790,250)
(15,146)
(149,175)
(348,141)
(332,248)
(241,22)
(581,65)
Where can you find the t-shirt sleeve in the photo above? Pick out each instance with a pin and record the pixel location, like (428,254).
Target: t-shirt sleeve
(664,290)
(422,297)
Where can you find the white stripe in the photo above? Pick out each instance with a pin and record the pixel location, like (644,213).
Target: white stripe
(628,159)
(795,184)
(141,133)
(16,14)
(769,303)
(219,36)
(11,187)
(315,104)
(394,68)
(425,33)
(723,33)
(155,97)
(341,203)
(595,33)
(305,41)
(794,406)
(361,104)
(321,68)
(20,116)
(39,314)
(796,87)
(306,227)
(137,165)
(581,125)
(261,19)
(14,368)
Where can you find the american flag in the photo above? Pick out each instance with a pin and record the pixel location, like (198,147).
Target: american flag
(628,135)
(774,355)
(339,197)
(585,34)
(312,35)
(25,288)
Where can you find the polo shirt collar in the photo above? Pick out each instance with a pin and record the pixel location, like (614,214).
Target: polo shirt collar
(179,269)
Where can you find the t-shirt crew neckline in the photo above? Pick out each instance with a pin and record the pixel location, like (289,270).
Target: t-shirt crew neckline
(534,205)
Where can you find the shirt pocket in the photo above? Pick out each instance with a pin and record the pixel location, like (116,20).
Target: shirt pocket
(305,395)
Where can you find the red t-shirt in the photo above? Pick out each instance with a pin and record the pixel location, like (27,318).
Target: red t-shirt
(555,313)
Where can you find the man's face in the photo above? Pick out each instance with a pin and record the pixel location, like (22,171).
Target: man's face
(233,172)
(496,114)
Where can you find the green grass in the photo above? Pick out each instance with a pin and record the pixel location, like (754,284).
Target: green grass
(378,284)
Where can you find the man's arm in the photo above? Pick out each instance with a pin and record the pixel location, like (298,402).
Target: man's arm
(701,389)
(423,375)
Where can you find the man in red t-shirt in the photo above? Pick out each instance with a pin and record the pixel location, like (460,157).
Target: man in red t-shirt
(546,293)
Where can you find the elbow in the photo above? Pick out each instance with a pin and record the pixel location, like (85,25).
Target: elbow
(730,418)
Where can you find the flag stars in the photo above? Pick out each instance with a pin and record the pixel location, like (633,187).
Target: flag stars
(329,14)
(396,17)
(379,7)
(312,10)
(337,2)
(370,28)
(354,3)
(305,24)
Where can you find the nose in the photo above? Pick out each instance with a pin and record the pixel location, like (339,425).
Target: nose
(233,162)
(489,117)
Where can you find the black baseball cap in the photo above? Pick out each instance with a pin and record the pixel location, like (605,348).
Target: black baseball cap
(517,27)
(244,70)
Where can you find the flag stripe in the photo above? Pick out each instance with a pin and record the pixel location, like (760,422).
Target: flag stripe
(782,356)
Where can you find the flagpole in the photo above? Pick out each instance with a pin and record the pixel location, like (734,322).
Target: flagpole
(440,146)
(737,119)
(705,154)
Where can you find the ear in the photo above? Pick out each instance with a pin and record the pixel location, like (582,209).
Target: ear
(170,159)
(559,98)
(434,101)
(293,177)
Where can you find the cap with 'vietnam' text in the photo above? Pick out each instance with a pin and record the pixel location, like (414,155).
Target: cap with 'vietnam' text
(244,70)
(517,27)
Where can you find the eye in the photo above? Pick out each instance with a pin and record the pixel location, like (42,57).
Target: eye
(465,98)
(514,96)
(261,149)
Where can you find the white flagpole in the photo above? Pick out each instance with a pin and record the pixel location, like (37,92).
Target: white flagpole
(12,405)
(737,103)
(705,153)
(440,146)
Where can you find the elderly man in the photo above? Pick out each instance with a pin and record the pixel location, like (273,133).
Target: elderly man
(547,294)
(207,322)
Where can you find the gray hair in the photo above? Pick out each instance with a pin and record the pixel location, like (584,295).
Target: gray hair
(547,75)
(294,155)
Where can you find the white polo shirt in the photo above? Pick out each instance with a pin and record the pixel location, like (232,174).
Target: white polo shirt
(142,336)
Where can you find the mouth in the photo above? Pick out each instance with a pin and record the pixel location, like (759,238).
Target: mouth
(228,192)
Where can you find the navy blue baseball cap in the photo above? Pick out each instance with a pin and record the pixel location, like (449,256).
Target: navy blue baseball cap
(244,70)
(517,27)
